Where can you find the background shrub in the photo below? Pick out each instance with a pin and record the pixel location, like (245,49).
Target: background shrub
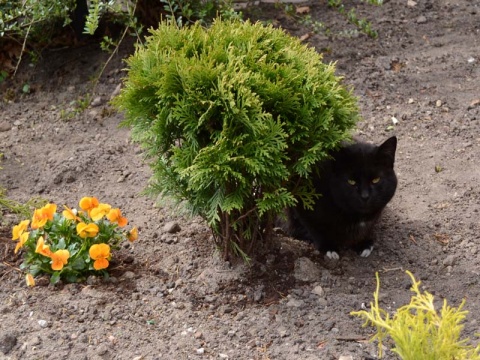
(232,118)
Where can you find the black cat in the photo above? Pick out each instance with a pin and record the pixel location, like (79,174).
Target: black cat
(355,185)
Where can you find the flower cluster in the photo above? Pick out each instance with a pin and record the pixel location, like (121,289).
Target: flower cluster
(72,244)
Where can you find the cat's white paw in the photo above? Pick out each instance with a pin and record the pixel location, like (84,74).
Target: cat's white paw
(333,255)
(366,252)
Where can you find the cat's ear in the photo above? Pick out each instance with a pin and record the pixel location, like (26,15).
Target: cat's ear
(386,151)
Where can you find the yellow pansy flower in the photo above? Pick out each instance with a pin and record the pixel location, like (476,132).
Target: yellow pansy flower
(100,253)
(70,214)
(42,248)
(23,239)
(42,215)
(19,229)
(115,215)
(132,235)
(99,212)
(30,280)
(87,230)
(59,259)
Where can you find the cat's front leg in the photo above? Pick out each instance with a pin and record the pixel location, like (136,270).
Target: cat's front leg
(365,248)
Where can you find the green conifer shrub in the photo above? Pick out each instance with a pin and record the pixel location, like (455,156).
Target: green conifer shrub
(232,118)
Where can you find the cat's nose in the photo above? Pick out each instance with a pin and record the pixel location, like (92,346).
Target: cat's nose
(364,194)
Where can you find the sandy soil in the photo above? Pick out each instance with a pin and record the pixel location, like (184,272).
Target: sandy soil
(170,295)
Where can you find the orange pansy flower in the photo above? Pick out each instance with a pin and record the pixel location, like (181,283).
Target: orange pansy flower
(30,280)
(70,214)
(23,239)
(87,230)
(42,215)
(99,212)
(59,259)
(88,203)
(115,215)
(19,229)
(132,235)
(100,253)
(42,248)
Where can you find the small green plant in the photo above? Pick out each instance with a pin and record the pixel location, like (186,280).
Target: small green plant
(73,244)
(3,75)
(419,330)
(233,118)
(14,207)
(76,107)
(361,24)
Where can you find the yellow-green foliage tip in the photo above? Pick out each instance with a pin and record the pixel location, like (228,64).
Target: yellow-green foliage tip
(418,330)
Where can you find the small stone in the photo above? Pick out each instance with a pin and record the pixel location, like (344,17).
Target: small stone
(223,356)
(4,126)
(34,341)
(200,351)
(306,270)
(450,260)
(295,303)
(43,323)
(411,3)
(172,227)
(96,102)
(102,349)
(438,103)
(411,101)
(128,275)
(198,335)
(345,357)
(318,290)
(17,123)
(421,19)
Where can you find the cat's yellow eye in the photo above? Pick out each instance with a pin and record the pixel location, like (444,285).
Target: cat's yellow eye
(376,180)
(351,182)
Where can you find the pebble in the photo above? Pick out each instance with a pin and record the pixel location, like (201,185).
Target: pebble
(306,270)
(128,275)
(438,103)
(223,356)
(4,126)
(345,357)
(450,260)
(421,19)
(318,290)
(200,351)
(172,227)
(96,102)
(43,323)
(295,303)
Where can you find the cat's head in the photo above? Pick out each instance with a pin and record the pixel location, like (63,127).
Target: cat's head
(363,180)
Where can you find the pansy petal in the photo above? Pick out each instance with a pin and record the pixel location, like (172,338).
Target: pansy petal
(132,235)
(29,280)
(100,264)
